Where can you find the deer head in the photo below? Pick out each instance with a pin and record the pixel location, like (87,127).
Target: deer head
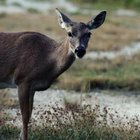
(79,33)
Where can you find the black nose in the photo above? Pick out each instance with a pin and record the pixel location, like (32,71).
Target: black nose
(80,51)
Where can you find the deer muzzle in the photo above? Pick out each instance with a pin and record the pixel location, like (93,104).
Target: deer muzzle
(80,52)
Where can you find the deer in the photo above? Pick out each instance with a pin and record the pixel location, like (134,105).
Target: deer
(33,61)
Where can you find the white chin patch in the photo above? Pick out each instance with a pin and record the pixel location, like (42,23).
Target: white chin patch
(71,50)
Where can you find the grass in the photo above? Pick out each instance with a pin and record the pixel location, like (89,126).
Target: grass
(33,10)
(118,73)
(109,4)
(17,4)
(3,2)
(82,123)
(40,0)
(8,132)
(5,99)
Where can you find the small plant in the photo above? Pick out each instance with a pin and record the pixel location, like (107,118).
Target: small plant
(72,105)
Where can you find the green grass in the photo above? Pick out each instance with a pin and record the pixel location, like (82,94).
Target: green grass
(109,4)
(3,2)
(8,132)
(119,73)
(33,10)
(41,0)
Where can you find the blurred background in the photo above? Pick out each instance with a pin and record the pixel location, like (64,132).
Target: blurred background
(112,64)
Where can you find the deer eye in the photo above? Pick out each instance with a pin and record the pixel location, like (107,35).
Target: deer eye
(88,35)
(70,34)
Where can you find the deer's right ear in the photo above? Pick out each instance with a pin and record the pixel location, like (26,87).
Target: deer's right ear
(63,20)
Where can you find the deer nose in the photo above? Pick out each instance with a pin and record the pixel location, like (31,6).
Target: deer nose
(80,51)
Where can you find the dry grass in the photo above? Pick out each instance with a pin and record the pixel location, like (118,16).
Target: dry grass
(5,99)
(78,123)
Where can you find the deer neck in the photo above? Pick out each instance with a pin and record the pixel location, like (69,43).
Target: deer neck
(65,56)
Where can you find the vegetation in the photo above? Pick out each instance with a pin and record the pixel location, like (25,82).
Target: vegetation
(5,99)
(82,123)
(32,10)
(17,4)
(118,73)
(41,0)
(135,4)
(2,2)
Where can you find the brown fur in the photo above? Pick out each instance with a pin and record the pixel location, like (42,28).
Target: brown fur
(32,61)
(31,57)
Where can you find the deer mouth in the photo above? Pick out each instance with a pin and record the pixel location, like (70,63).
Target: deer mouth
(80,52)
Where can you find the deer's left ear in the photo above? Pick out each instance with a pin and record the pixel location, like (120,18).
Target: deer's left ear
(63,20)
(97,21)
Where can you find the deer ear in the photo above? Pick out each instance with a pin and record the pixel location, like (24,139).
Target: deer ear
(63,20)
(97,21)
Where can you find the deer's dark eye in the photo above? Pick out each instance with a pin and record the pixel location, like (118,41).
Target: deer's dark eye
(70,34)
(88,35)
